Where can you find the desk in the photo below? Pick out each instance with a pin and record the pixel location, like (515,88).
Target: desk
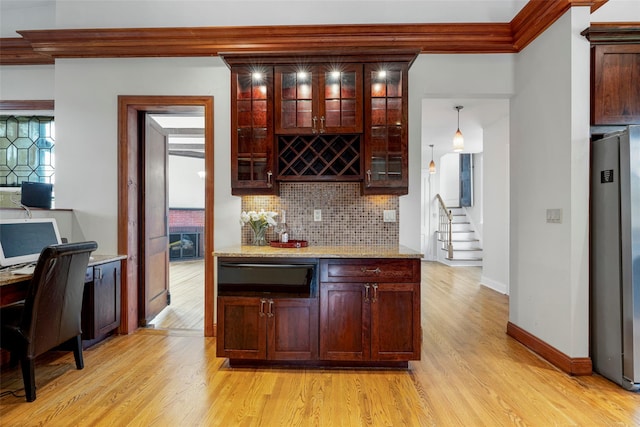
(13,287)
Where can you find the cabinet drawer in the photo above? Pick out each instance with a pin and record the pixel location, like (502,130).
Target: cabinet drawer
(370,270)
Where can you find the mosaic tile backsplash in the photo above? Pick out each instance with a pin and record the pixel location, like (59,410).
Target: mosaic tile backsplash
(348,218)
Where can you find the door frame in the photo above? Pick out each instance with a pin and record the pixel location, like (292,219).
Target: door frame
(129,198)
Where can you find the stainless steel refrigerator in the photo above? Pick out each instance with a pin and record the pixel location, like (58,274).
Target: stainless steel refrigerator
(615,257)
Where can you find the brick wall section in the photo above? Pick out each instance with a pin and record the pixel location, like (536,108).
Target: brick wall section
(180,218)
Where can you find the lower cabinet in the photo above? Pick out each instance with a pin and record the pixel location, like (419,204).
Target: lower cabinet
(367,311)
(369,321)
(267,328)
(101,302)
(366,320)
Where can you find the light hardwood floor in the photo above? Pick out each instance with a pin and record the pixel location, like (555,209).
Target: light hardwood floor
(471,374)
(186,311)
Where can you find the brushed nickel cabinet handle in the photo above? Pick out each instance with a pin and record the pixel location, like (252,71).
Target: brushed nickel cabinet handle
(375,292)
(262,303)
(322,130)
(269,175)
(270,312)
(366,292)
(368,178)
(375,271)
(314,128)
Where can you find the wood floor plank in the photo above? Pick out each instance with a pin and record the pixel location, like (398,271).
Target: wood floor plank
(471,374)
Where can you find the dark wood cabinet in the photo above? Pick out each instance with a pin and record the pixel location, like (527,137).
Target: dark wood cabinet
(260,328)
(386,158)
(320,117)
(101,301)
(366,314)
(318,99)
(615,84)
(252,145)
(615,72)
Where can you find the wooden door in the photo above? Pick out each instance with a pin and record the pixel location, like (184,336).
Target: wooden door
(292,325)
(155,269)
(242,328)
(344,322)
(395,322)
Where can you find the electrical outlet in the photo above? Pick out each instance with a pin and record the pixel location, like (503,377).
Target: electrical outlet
(317,215)
(389,215)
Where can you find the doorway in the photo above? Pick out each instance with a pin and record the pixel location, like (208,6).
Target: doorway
(130,187)
(185,172)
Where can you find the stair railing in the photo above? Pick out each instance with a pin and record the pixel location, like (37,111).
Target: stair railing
(444,227)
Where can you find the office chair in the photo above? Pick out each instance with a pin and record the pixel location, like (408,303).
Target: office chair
(51,312)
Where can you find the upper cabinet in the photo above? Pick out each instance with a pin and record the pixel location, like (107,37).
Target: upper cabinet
(252,154)
(386,147)
(318,99)
(615,73)
(319,117)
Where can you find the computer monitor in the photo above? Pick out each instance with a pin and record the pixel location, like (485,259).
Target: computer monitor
(36,194)
(22,240)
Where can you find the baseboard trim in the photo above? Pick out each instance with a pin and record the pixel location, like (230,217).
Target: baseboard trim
(570,365)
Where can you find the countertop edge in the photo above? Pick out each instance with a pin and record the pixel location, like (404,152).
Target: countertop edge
(319,252)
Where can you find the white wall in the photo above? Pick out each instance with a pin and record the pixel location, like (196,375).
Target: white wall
(495,228)
(33,82)
(186,188)
(549,158)
(86,93)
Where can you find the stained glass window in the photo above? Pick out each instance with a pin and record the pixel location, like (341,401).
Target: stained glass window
(27,150)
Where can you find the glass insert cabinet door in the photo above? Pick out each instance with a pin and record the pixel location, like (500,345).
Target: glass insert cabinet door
(386,149)
(318,99)
(252,119)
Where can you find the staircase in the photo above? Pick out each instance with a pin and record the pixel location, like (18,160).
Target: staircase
(465,248)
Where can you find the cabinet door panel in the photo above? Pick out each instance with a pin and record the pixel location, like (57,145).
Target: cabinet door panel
(293,329)
(242,330)
(344,322)
(386,164)
(395,322)
(252,160)
(107,297)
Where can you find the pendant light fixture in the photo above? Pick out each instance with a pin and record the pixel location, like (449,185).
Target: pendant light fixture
(458,140)
(432,165)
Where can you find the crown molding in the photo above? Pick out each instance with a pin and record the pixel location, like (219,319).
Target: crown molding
(613,33)
(44,46)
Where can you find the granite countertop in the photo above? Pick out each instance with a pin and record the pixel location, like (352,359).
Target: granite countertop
(353,251)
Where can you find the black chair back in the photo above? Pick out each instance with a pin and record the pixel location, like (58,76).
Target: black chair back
(53,306)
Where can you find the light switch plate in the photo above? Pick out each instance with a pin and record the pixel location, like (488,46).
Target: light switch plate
(389,215)
(554,216)
(317,215)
